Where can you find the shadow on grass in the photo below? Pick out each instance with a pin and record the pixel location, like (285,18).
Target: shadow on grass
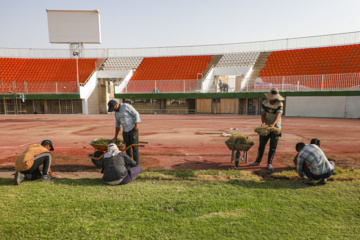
(59,181)
(74,168)
(6,181)
(201,165)
(62,168)
(267,175)
(80,182)
(270,185)
(181,174)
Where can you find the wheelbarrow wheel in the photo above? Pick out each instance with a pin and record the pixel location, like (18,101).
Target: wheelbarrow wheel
(237,163)
(97,163)
(237,156)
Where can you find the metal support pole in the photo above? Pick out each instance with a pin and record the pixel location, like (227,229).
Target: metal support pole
(15,94)
(59,106)
(4,101)
(77,73)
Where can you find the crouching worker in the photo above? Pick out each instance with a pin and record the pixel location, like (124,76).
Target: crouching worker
(28,163)
(117,167)
(312,164)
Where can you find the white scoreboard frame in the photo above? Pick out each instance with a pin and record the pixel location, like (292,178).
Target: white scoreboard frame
(74,26)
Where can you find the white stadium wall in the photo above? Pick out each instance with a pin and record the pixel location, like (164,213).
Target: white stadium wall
(352,107)
(334,107)
(238,71)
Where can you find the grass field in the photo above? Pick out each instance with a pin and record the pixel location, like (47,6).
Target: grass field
(182,204)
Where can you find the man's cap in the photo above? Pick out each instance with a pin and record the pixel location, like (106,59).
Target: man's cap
(48,142)
(111,105)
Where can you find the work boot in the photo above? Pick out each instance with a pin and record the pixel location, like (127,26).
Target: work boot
(46,178)
(309,181)
(19,177)
(323,181)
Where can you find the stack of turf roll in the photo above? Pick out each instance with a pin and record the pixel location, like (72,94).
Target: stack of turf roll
(101,144)
(239,141)
(106,141)
(265,130)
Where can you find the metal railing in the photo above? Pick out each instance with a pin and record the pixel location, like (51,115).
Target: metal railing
(328,82)
(303,83)
(38,87)
(159,86)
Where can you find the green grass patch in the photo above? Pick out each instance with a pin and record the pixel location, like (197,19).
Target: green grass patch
(338,175)
(199,175)
(181,204)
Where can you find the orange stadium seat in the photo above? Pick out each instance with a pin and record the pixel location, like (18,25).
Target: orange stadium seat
(32,71)
(313,61)
(168,68)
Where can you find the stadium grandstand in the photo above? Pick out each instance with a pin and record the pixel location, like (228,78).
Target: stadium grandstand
(322,72)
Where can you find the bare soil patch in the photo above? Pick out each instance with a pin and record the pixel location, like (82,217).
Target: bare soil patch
(175,142)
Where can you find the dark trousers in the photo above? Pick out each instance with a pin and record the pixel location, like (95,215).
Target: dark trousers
(34,172)
(273,144)
(132,137)
(132,174)
(306,171)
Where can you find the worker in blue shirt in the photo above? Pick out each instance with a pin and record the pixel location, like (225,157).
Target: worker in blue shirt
(127,117)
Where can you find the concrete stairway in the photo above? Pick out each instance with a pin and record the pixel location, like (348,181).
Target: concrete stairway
(214,61)
(260,64)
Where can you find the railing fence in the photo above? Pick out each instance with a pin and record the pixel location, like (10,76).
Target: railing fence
(330,82)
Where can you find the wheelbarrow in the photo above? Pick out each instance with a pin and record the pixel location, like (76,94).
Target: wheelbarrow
(236,149)
(101,149)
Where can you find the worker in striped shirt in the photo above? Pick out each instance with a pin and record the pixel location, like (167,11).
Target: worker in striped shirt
(312,164)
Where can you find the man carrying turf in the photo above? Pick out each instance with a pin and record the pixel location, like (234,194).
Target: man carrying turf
(271,111)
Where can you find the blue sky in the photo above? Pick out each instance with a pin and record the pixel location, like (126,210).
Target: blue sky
(159,23)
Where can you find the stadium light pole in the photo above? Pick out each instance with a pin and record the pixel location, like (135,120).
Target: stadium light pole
(77,73)
(76,54)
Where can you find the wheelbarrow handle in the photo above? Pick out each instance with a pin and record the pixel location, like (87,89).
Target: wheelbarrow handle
(144,142)
(132,145)
(96,158)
